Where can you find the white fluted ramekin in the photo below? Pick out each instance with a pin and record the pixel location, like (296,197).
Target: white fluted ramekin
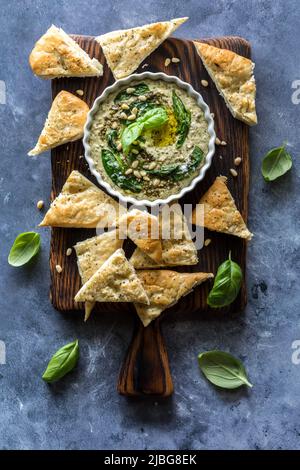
(127,82)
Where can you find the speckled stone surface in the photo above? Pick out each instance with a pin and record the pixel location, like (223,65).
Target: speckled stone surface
(83,411)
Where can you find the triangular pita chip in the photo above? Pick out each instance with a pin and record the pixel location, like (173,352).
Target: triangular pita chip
(56,55)
(126,49)
(177,247)
(234,79)
(115,281)
(164,289)
(82,205)
(220,211)
(91,254)
(65,122)
(143,229)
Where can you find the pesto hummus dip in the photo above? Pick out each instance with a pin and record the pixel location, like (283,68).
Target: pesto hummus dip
(149,140)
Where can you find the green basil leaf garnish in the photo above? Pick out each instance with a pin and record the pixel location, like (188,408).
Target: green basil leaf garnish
(183,118)
(151,119)
(115,171)
(130,134)
(223,369)
(227,284)
(111,139)
(179,172)
(63,361)
(139,89)
(276,163)
(24,248)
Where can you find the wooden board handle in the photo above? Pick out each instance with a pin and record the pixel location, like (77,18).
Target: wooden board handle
(146,370)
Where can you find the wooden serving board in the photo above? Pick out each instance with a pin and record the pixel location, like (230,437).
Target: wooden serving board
(146,367)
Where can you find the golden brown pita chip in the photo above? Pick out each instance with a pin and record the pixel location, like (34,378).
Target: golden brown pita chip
(81,204)
(164,288)
(115,281)
(126,49)
(91,254)
(234,79)
(65,122)
(143,229)
(177,247)
(220,211)
(56,55)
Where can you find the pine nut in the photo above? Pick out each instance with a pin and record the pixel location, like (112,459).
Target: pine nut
(167,62)
(151,166)
(124,106)
(129,171)
(233,172)
(130,90)
(58,268)
(135,164)
(69,251)
(175,60)
(204,83)
(40,205)
(237,161)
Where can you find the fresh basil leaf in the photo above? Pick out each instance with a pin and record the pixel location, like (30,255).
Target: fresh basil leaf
(151,119)
(114,171)
(227,284)
(62,362)
(130,134)
(179,172)
(154,118)
(139,89)
(183,118)
(223,369)
(24,248)
(111,138)
(276,163)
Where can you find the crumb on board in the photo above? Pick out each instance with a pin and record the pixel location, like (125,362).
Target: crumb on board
(58,268)
(207,242)
(237,161)
(69,251)
(40,205)
(167,62)
(80,92)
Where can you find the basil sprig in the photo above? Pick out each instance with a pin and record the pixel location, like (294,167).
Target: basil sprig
(227,284)
(114,168)
(24,248)
(139,89)
(223,369)
(179,172)
(151,119)
(276,163)
(183,118)
(62,362)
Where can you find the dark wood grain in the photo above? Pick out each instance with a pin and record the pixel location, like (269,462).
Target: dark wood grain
(138,374)
(146,370)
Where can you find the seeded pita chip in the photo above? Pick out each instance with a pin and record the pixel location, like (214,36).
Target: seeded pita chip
(220,211)
(164,289)
(143,229)
(91,254)
(56,55)
(65,122)
(115,281)
(126,49)
(177,247)
(234,79)
(81,204)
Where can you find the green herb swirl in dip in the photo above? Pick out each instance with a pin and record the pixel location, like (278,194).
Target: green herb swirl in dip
(149,140)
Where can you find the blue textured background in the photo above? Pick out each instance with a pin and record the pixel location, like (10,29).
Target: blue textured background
(83,410)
